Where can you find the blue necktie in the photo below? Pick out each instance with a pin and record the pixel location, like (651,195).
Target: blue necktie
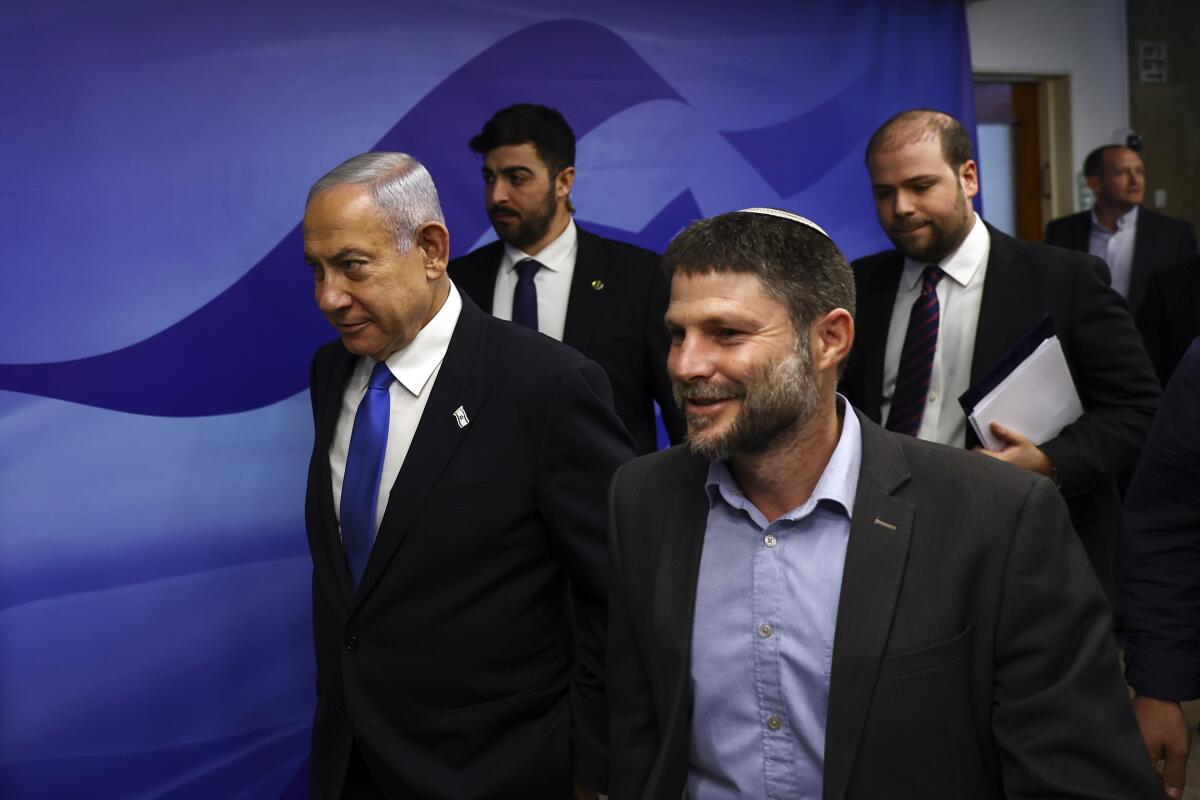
(364,463)
(916,358)
(524,311)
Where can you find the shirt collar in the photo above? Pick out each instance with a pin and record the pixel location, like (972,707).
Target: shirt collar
(961,265)
(838,483)
(553,257)
(413,364)
(1126,220)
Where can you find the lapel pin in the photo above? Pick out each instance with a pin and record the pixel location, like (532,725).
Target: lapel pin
(460,416)
(597,284)
(883,524)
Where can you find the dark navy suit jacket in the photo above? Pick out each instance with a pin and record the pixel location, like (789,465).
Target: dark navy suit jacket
(1161,568)
(468,663)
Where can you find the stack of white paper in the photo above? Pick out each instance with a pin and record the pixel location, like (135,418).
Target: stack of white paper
(1037,399)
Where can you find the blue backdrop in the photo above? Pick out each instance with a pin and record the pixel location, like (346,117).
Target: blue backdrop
(156,318)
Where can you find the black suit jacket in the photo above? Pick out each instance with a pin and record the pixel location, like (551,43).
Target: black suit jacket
(1114,378)
(619,326)
(1159,243)
(1160,574)
(454,665)
(972,656)
(1169,317)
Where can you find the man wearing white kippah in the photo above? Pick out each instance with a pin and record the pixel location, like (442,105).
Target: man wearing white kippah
(805,605)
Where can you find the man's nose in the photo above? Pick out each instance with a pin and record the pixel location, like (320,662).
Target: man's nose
(331,294)
(902,204)
(689,359)
(496,193)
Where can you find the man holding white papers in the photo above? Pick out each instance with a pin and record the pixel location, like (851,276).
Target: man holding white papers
(941,310)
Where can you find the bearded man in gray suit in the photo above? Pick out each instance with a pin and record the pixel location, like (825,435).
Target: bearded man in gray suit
(806,605)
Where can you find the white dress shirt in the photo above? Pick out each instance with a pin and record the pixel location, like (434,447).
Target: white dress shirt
(414,367)
(1116,247)
(553,283)
(960,294)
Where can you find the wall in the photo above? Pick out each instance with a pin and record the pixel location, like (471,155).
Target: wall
(1168,114)
(1085,40)
(157,317)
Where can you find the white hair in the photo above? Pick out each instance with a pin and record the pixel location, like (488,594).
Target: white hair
(401,186)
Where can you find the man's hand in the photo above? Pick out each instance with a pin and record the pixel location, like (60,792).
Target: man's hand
(584,793)
(1168,739)
(1018,451)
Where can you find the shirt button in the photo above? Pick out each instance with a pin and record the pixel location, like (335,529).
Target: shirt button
(769,540)
(774,723)
(765,630)
(933,397)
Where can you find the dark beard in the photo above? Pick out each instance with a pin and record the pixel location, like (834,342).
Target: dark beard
(943,242)
(531,229)
(778,397)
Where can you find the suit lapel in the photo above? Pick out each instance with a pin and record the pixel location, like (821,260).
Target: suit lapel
(1004,289)
(675,595)
(585,301)
(880,531)
(331,569)
(876,305)
(1144,238)
(1083,231)
(477,276)
(461,381)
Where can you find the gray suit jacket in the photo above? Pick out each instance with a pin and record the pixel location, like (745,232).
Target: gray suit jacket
(972,655)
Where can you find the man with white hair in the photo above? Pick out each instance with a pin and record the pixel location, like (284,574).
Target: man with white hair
(455,512)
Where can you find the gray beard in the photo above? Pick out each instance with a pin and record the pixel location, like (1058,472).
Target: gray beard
(777,398)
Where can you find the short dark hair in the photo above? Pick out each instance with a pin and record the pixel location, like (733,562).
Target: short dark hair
(542,126)
(1093,165)
(918,124)
(798,265)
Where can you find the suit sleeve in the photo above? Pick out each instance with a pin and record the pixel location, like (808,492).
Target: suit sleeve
(657,345)
(1187,244)
(1055,229)
(1160,578)
(1062,720)
(632,722)
(583,443)
(1116,383)
(1152,322)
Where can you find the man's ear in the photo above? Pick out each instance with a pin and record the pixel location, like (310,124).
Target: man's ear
(968,175)
(563,182)
(1093,182)
(830,339)
(433,241)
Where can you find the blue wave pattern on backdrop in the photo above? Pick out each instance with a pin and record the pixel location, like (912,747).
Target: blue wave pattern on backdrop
(156,329)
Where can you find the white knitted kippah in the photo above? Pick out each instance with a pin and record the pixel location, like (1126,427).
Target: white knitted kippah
(775,212)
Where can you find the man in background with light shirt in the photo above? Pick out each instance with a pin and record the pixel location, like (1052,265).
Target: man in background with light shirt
(805,605)
(937,313)
(1135,242)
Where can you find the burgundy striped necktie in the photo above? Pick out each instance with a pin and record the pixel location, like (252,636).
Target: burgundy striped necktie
(916,359)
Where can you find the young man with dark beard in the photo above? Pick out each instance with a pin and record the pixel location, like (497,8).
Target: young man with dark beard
(603,297)
(806,605)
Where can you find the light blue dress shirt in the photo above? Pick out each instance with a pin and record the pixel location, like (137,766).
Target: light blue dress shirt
(762,637)
(1116,247)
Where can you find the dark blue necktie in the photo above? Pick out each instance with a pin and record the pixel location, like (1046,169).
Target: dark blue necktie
(364,463)
(524,311)
(916,359)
